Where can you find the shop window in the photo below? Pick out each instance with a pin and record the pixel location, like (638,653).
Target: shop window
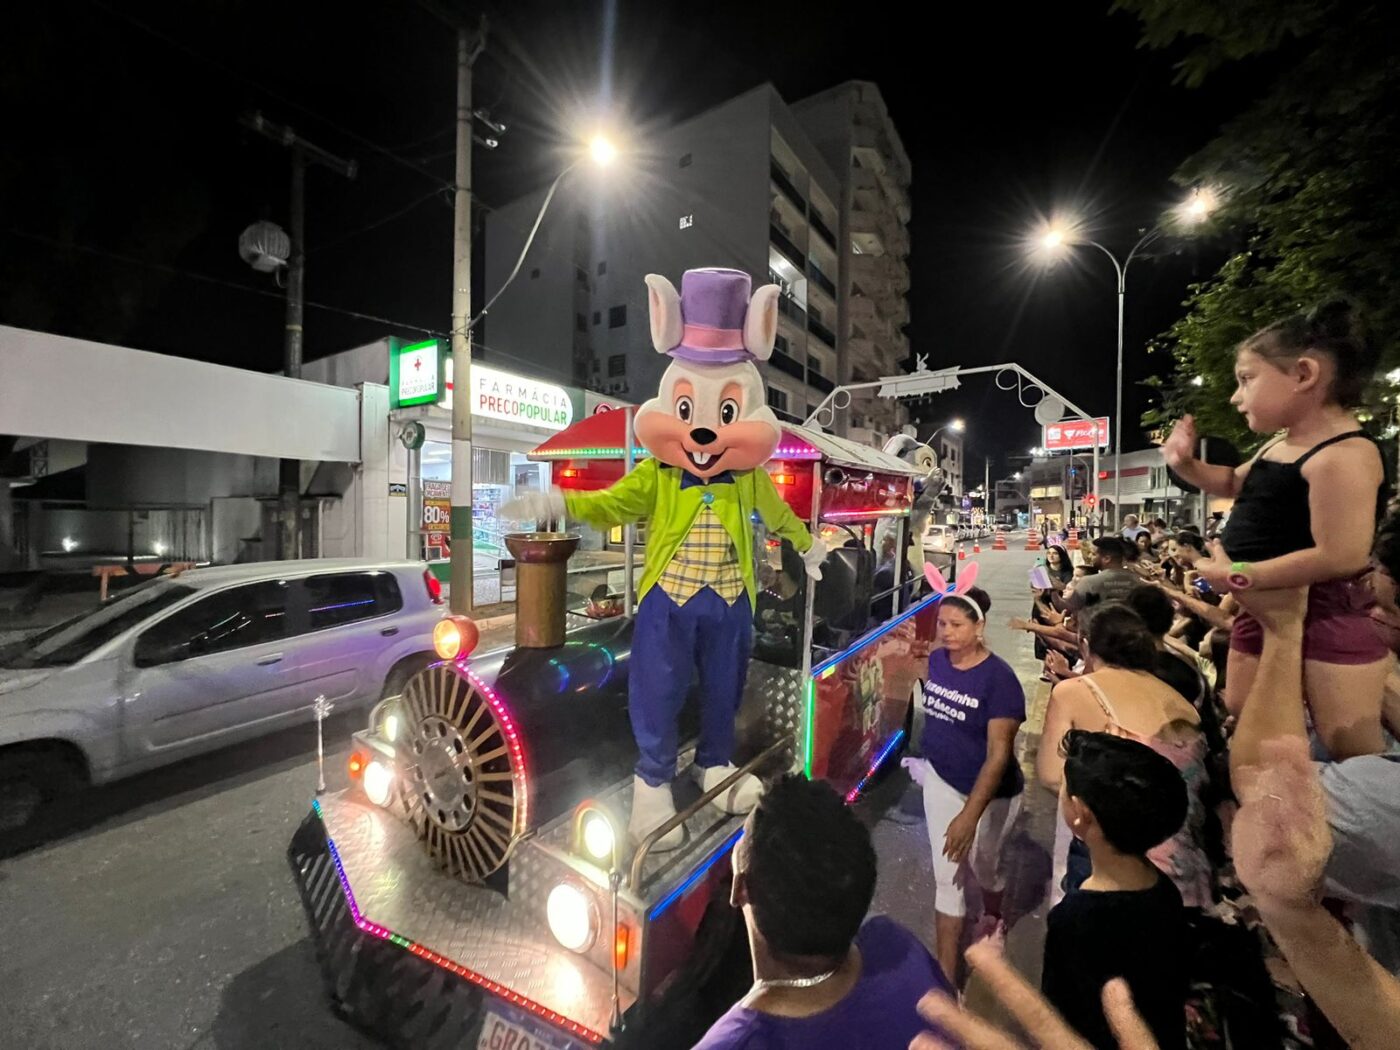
(602,267)
(685,161)
(617,365)
(617,316)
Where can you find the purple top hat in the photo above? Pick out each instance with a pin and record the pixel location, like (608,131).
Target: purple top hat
(714,304)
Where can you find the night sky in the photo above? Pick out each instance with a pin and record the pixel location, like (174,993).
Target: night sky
(126,172)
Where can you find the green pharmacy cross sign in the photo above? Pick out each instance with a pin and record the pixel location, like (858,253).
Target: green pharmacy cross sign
(417,373)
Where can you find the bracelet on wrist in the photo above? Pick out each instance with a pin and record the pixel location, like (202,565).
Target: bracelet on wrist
(1240,578)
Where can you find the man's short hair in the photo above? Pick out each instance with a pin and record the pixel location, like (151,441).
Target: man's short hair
(1154,607)
(1113,547)
(809,869)
(1193,540)
(1137,796)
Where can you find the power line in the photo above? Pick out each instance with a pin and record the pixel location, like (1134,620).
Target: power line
(207,279)
(376,223)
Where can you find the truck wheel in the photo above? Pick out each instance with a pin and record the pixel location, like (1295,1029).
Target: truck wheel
(35,786)
(403,671)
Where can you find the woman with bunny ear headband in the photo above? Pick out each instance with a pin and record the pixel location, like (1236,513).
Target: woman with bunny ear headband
(973,705)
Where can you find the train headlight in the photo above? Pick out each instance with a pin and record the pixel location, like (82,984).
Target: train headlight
(572,915)
(378,780)
(391,725)
(595,835)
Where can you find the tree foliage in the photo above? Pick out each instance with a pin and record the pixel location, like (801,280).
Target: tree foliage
(1307,174)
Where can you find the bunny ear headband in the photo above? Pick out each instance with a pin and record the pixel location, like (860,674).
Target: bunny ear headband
(959,590)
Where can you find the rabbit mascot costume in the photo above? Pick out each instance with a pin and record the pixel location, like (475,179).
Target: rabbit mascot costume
(709,431)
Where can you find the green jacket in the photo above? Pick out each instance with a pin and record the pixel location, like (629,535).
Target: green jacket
(653,491)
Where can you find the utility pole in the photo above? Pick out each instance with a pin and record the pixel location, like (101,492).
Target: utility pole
(987,492)
(461,595)
(303,153)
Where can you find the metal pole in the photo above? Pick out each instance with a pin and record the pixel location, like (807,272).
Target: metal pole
(1118,414)
(413,549)
(463,549)
(986,490)
(1098,508)
(1205,498)
(289,470)
(629,532)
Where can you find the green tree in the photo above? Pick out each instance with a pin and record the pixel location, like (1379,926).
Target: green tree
(1307,174)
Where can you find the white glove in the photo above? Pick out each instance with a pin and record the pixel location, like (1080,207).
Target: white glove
(532,504)
(816,554)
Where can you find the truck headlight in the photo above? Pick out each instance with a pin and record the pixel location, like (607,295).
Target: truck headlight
(390,726)
(572,916)
(378,780)
(595,834)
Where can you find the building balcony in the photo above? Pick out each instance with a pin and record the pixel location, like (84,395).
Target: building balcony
(789,307)
(786,186)
(822,332)
(782,240)
(787,365)
(817,381)
(820,279)
(823,230)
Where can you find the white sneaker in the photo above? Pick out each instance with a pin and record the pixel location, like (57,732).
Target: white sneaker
(652,807)
(742,795)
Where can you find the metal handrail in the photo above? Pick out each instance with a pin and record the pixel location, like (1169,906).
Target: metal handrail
(644,850)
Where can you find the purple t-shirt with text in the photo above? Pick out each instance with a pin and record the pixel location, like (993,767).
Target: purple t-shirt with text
(878,1013)
(957,707)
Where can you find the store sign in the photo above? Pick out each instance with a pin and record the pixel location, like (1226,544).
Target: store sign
(437,506)
(1075,433)
(417,374)
(516,399)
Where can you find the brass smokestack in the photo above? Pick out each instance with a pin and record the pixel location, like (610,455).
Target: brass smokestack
(540,561)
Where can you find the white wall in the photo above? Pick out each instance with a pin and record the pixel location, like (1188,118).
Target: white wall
(70,388)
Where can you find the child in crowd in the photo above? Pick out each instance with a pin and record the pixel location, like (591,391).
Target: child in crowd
(1304,514)
(1121,799)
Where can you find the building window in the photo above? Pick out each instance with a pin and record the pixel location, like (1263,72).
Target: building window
(602,267)
(777,399)
(617,316)
(597,317)
(780,344)
(685,161)
(581,322)
(534,273)
(617,365)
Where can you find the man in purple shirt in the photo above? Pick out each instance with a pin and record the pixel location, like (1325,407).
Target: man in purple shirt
(804,875)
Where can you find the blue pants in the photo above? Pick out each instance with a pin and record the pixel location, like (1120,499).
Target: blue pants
(670,643)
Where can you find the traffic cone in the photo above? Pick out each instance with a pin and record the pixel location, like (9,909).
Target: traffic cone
(999,543)
(1033,540)
(977,546)
(962,552)
(1073,542)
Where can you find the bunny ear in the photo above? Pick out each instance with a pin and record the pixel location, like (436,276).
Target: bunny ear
(966,578)
(935,578)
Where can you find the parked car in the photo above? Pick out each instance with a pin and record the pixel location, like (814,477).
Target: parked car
(186,664)
(940,538)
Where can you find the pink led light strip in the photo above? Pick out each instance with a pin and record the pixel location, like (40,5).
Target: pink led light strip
(433,957)
(517,752)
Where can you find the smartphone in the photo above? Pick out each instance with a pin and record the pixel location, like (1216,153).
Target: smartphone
(1202,585)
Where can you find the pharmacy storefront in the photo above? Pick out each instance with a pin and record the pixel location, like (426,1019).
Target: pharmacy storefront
(511,414)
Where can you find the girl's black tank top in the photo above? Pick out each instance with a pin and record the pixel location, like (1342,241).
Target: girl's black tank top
(1271,516)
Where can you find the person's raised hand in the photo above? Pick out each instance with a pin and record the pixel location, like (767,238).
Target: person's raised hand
(1280,834)
(1278,610)
(1180,446)
(1030,1009)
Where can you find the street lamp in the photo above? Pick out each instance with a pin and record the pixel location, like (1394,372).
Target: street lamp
(957,426)
(463,568)
(1058,237)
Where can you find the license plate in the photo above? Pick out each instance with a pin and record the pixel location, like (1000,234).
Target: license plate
(514,1032)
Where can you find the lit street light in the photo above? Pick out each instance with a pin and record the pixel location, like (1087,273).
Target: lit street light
(1058,237)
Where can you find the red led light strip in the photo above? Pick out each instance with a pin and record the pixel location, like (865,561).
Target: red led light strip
(414,948)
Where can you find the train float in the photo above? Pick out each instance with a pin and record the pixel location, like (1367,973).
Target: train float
(474,886)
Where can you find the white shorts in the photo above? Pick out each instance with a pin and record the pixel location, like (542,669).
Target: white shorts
(943,802)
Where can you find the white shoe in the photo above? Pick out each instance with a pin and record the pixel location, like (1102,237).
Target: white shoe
(742,795)
(652,807)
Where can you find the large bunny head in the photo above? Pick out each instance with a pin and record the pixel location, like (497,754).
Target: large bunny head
(710,414)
